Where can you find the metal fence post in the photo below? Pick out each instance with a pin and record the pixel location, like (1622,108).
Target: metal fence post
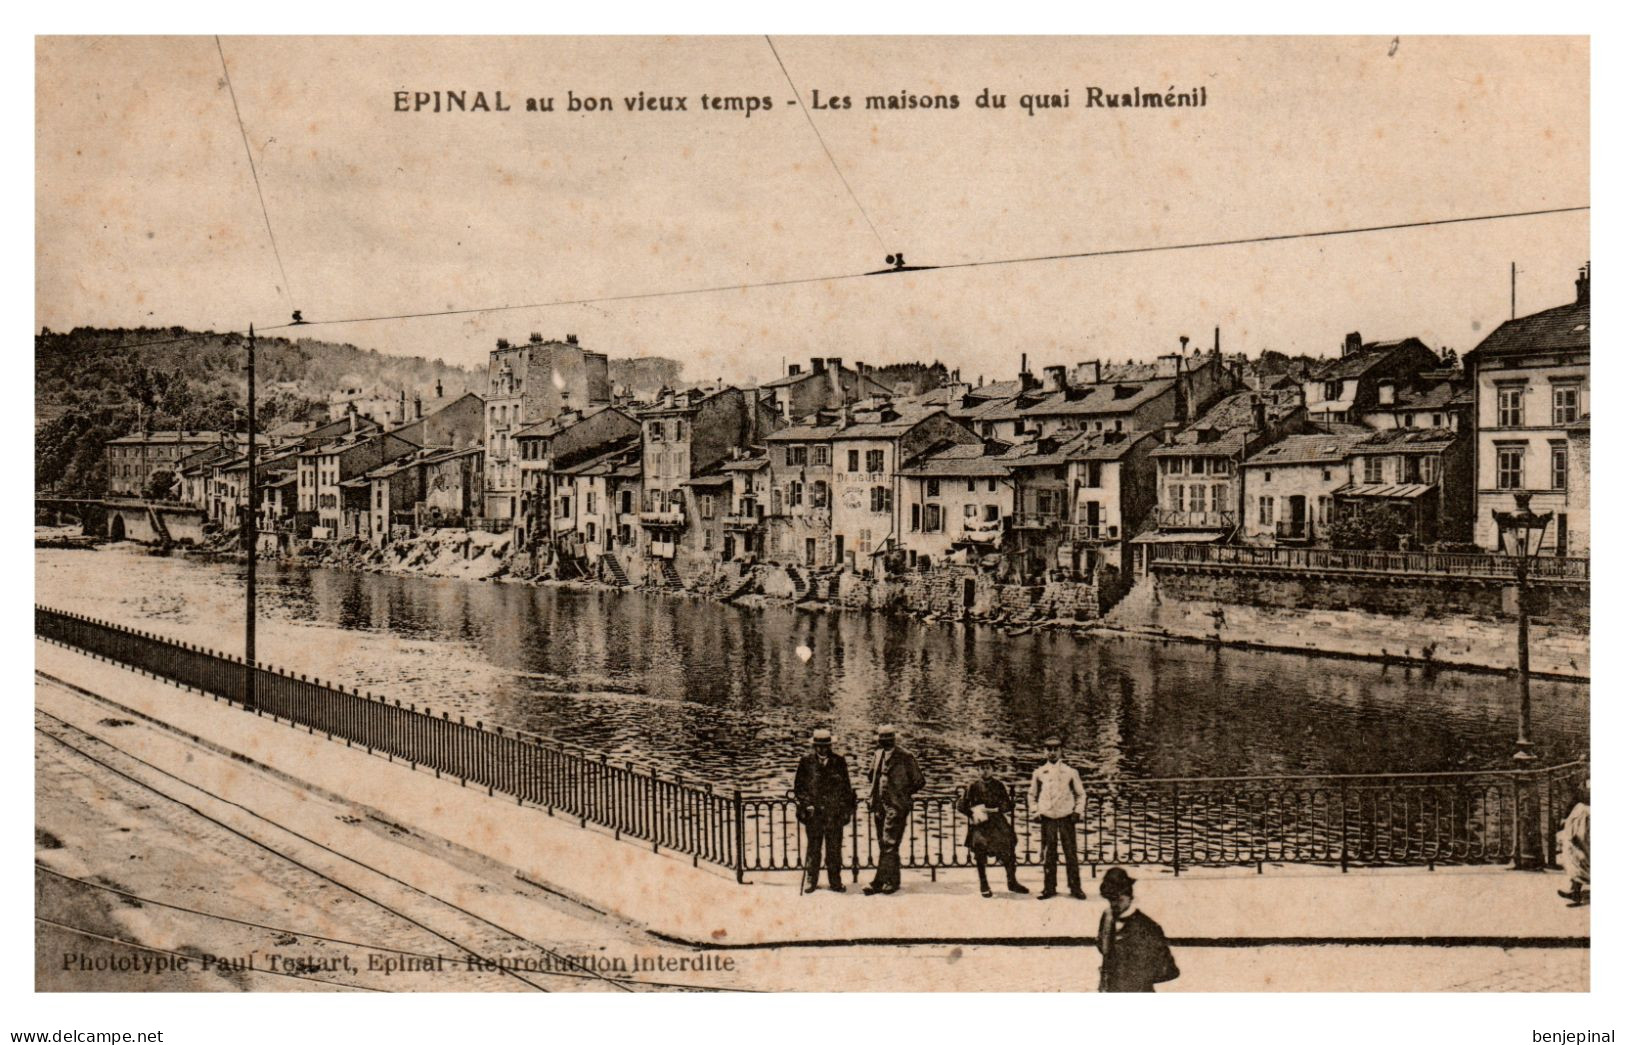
(739,837)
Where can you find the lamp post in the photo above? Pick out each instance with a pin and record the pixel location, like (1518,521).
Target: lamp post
(1522,532)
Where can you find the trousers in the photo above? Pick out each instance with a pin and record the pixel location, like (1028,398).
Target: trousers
(1061,830)
(891,825)
(824,850)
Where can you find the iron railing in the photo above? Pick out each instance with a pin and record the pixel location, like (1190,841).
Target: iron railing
(1387,819)
(1452,564)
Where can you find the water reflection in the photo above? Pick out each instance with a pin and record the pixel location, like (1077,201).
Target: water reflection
(718,691)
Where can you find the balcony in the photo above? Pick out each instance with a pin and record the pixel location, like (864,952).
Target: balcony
(668,517)
(1294,530)
(1036,521)
(743,521)
(1166,519)
(1094,532)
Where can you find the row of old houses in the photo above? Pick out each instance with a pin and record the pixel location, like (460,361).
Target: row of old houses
(1072,470)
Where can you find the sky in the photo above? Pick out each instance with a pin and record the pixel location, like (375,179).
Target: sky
(147,213)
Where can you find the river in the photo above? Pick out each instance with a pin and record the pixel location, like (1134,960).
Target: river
(729,693)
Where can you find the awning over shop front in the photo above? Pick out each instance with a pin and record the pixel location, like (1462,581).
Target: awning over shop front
(1387,491)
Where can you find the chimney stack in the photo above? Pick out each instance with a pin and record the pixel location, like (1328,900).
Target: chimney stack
(1582,286)
(1351,343)
(1259,423)
(795,369)
(439,390)
(1089,372)
(1055,379)
(1169,430)
(571,339)
(417,407)
(818,364)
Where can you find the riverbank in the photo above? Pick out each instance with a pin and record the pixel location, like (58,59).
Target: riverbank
(1559,652)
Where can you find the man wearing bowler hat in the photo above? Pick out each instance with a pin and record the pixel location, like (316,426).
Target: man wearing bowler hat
(824,803)
(1055,796)
(893,780)
(1134,954)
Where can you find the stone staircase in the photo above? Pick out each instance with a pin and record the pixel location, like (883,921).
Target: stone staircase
(614,572)
(799,580)
(159,527)
(669,574)
(746,585)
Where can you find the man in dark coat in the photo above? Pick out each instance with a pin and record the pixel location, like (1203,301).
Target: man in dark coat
(825,801)
(992,834)
(893,780)
(1134,954)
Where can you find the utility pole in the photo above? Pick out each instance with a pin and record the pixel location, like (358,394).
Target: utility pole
(251,537)
(1514,290)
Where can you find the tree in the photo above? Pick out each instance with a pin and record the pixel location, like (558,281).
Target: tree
(1377,528)
(160,486)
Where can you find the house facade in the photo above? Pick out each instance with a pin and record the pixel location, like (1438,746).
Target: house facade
(526,384)
(1532,381)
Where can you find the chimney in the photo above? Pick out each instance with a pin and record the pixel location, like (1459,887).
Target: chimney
(400,413)
(795,369)
(833,363)
(1351,343)
(1215,342)
(352,418)
(1169,430)
(1582,286)
(818,364)
(417,407)
(439,390)
(1089,372)
(1259,423)
(535,338)
(1055,379)
(1184,342)
(571,339)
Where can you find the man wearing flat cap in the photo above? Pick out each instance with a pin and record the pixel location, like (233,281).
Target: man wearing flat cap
(987,806)
(893,780)
(1055,796)
(825,801)
(1134,954)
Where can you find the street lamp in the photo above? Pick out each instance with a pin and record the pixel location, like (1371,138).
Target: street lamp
(1522,532)
(1519,530)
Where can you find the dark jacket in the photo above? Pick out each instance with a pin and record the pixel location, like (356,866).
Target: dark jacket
(1134,957)
(824,794)
(894,789)
(994,835)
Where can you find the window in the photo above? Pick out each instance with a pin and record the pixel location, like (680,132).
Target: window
(933,518)
(1198,498)
(1565,406)
(1325,511)
(970,485)
(1046,502)
(592,532)
(1509,407)
(990,513)
(626,502)
(1178,491)
(1430,469)
(820,494)
(914,517)
(879,499)
(970,511)
(820,455)
(876,460)
(1176,466)
(1266,511)
(795,495)
(1198,466)
(1221,497)
(992,485)
(1407,421)
(1509,468)
(677,432)
(851,460)
(657,431)
(592,502)
(1373,469)
(933,488)
(708,507)
(795,456)
(1090,476)
(1560,466)
(1333,390)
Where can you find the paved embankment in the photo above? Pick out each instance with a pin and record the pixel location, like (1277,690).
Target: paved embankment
(704,906)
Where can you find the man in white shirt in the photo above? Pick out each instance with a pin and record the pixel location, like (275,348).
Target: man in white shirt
(1055,796)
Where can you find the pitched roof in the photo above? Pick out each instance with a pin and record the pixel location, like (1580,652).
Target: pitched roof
(1405,491)
(1314,448)
(803,434)
(555,425)
(170,435)
(1355,364)
(1415,440)
(1231,418)
(958,459)
(1564,328)
(705,481)
(1104,399)
(749,464)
